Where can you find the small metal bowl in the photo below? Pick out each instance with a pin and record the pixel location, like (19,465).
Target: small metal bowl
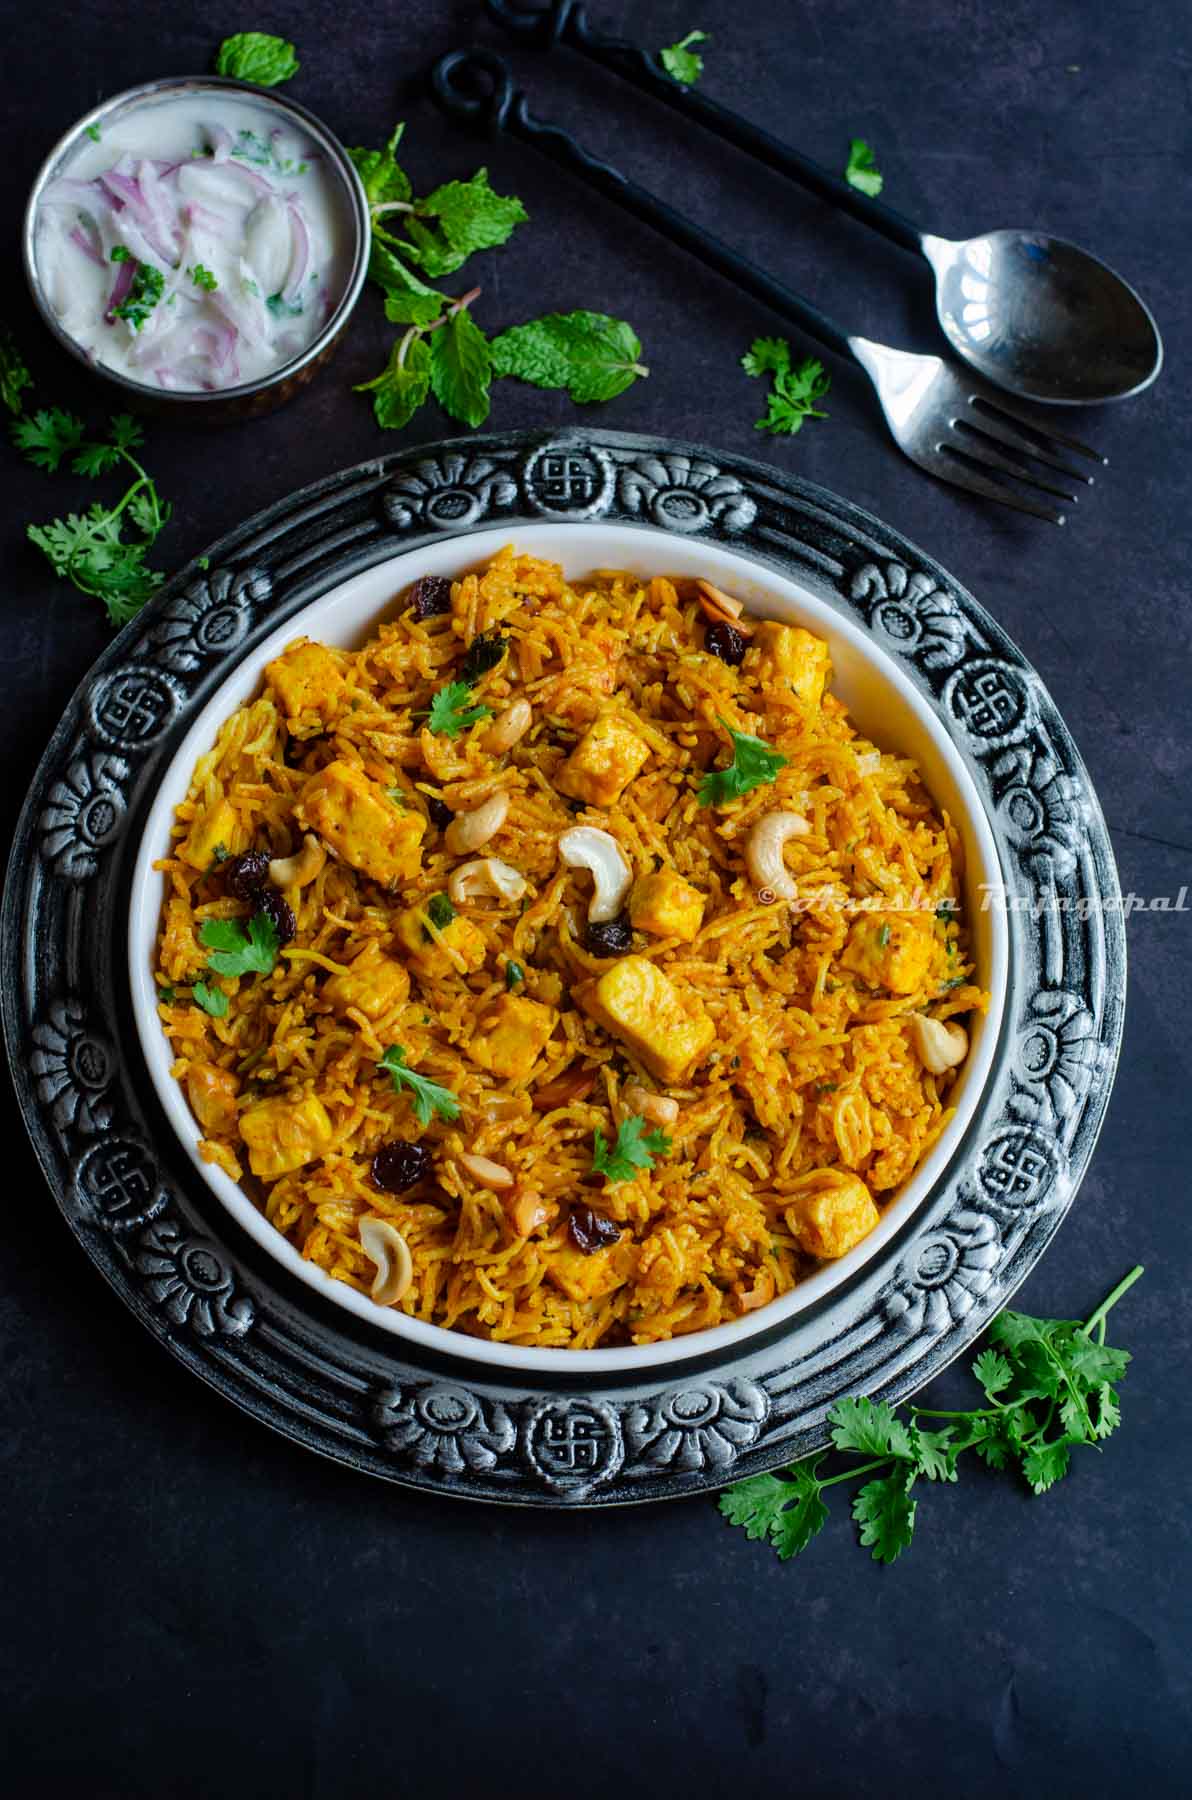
(251,398)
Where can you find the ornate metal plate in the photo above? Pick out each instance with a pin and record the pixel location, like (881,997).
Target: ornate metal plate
(328,1380)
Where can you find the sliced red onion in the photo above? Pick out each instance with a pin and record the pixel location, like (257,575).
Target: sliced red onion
(221,141)
(300,256)
(67,192)
(124,274)
(87,244)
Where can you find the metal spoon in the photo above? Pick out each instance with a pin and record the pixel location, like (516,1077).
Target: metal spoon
(1033,314)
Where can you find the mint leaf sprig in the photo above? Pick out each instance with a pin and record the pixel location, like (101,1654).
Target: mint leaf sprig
(256,56)
(1049,1384)
(442,350)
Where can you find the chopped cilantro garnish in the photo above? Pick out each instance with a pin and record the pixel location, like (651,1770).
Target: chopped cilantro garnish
(753,765)
(427,1096)
(635,1148)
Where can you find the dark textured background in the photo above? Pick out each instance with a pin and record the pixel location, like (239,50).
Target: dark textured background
(193,1607)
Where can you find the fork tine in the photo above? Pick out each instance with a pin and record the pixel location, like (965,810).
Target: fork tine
(987,404)
(992,429)
(975,446)
(960,475)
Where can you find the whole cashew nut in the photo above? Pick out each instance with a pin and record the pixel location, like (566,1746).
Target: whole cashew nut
(940,1045)
(506,730)
(659,1109)
(468,830)
(763,852)
(587,847)
(485,877)
(298,870)
(384,1244)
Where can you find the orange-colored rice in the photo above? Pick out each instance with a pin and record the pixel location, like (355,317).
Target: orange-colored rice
(812,1068)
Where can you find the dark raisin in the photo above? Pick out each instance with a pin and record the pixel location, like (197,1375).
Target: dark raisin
(589,1230)
(277,909)
(245,876)
(611,938)
(725,641)
(430,596)
(438,812)
(484,653)
(398,1165)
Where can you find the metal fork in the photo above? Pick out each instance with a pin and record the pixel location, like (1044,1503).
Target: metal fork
(940,414)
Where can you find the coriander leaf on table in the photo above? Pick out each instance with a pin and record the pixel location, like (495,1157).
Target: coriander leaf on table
(403,384)
(862,171)
(427,1096)
(1053,1376)
(794,387)
(593,356)
(14,376)
(461,368)
(235,951)
(450,713)
(885,1513)
(754,764)
(634,1148)
(681,62)
(257,57)
(47,436)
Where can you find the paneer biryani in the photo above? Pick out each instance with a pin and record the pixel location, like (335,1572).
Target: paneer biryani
(561,966)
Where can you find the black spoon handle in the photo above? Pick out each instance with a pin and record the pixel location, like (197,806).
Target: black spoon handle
(475,87)
(566,22)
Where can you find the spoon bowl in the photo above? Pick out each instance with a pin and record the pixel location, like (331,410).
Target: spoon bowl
(1043,319)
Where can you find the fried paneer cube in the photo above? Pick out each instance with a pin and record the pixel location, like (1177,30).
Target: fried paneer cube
(786,656)
(283,1135)
(459,949)
(510,1035)
(833,1211)
(214,828)
(590,1277)
(308,687)
(604,762)
(891,951)
(355,817)
(637,1003)
(373,985)
(666,905)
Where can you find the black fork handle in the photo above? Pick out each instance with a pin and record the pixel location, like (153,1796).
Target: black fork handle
(476,88)
(566,22)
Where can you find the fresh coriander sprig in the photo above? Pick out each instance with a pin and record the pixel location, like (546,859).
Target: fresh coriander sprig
(14,376)
(634,1148)
(754,764)
(89,549)
(681,62)
(450,713)
(427,1096)
(794,389)
(235,951)
(861,170)
(1050,1385)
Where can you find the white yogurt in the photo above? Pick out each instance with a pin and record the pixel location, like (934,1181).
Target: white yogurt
(200,243)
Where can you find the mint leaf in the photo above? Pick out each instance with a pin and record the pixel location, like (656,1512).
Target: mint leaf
(593,356)
(460,368)
(385,181)
(465,216)
(255,56)
(402,386)
(681,62)
(861,170)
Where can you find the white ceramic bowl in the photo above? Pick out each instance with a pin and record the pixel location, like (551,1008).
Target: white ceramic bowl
(885,706)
